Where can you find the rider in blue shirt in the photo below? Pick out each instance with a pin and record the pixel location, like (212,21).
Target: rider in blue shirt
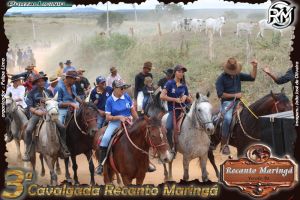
(98,96)
(176,93)
(119,108)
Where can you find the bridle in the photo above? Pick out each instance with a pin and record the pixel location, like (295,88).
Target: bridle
(275,105)
(199,120)
(147,137)
(85,121)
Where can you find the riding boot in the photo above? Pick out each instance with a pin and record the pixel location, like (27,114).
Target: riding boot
(101,156)
(151,167)
(28,143)
(62,140)
(224,146)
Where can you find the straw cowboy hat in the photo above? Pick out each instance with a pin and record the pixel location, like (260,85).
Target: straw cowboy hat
(53,79)
(30,67)
(232,67)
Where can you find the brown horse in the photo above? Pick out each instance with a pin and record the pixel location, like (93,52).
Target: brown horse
(131,151)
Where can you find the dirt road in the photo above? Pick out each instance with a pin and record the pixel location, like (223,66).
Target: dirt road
(156,177)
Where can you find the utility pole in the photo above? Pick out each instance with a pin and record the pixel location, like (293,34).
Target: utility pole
(33,31)
(107,18)
(135,16)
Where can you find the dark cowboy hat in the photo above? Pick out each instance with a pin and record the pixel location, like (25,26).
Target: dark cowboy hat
(16,78)
(37,77)
(72,74)
(68,62)
(168,71)
(81,70)
(120,84)
(42,73)
(179,68)
(232,67)
(148,65)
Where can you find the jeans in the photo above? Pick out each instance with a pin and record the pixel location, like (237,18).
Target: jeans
(170,126)
(227,117)
(112,126)
(62,113)
(145,101)
(100,121)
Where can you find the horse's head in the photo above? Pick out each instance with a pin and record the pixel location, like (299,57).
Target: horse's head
(155,107)
(51,105)
(202,112)
(10,104)
(157,139)
(280,102)
(89,114)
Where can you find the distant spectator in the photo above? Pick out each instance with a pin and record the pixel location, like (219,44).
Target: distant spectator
(113,76)
(161,83)
(68,67)
(82,85)
(60,69)
(52,84)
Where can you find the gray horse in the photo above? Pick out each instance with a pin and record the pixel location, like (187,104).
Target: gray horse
(18,123)
(194,140)
(47,142)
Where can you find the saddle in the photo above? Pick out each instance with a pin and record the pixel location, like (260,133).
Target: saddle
(38,127)
(218,118)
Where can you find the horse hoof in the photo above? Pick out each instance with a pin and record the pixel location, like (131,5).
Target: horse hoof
(92,183)
(207,181)
(77,183)
(42,173)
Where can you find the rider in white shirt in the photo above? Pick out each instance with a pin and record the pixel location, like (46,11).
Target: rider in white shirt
(17,91)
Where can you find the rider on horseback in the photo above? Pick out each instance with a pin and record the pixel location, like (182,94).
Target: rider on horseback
(98,96)
(228,86)
(17,91)
(35,99)
(176,93)
(119,108)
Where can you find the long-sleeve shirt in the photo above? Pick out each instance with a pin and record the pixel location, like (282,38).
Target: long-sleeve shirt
(35,96)
(63,95)
(231,84)
(16,93)
(289,76)
(139,82)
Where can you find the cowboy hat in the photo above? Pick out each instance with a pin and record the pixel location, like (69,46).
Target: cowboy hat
(53,79)
(72,74)
(168,72)
(37,77)
(30,67)
(42,73)
(68,62)
(232,67)
(148,65)
(81,70)
(16,78)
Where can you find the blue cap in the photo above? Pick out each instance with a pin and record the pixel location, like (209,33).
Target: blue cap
(100,79)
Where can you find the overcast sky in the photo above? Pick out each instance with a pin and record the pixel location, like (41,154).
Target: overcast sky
(150,4)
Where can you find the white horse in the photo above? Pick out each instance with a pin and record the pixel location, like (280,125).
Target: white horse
(193,140)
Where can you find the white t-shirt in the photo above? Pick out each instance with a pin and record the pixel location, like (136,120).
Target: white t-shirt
(18,92)
(111,79)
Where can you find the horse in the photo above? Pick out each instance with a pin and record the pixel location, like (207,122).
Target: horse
(47,143)
(194,137)
(18,121)
(17,127)
(130,156)
(79,138)
(247,131)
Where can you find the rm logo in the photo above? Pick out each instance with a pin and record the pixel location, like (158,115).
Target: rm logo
(281,14)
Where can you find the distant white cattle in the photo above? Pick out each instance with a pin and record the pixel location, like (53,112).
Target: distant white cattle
(248,27)
(215,25)
(197,25)
(182,24)
(263,25)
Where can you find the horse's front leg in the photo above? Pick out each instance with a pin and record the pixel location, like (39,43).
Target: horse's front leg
(91,166)
(68,177)
(42,164)
(17,142)
(203,162)
(75,167)
(140,179)
(166,172)
(58,171)
(51,162)
(170,171)
(186,163)
(211,158)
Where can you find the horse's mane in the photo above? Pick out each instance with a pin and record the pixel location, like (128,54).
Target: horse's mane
(280,97)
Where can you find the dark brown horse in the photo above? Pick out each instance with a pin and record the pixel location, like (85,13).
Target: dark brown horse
(248,130)
(79,138)
(131,151)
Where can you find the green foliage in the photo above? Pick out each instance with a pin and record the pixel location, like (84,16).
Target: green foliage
(115,18)
(172,8)
(256,16)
